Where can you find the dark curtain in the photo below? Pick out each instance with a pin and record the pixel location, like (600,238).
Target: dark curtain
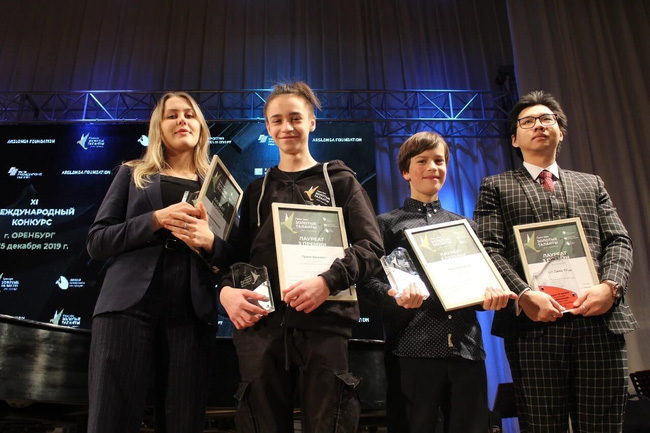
(244,44)
(212,44)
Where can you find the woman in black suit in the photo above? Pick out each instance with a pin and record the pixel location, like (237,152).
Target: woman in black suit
(155,317)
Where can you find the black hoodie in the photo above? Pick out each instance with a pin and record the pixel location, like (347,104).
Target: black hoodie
(255,241)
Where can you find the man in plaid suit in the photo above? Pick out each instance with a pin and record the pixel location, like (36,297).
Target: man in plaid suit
(563,363)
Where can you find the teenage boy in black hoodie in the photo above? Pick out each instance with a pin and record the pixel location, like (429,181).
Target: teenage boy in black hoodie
(305,341)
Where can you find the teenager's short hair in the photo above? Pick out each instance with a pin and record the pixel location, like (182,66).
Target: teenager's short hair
(298,88)
(537,97)
(416,144)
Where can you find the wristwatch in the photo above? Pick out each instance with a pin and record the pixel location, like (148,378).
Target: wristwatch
(616,288)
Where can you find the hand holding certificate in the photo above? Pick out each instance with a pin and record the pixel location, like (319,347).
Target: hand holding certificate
(221,195)
(556,259)
(455,263)
(307,240)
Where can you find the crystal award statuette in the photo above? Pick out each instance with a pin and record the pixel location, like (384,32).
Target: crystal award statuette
(401,272)
(256,279)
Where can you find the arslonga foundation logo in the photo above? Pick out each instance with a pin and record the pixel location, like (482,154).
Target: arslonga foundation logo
(87,142)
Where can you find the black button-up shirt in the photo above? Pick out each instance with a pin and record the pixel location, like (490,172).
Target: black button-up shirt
(428,331)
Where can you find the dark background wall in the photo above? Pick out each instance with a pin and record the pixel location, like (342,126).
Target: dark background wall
(205,44)
(592,54)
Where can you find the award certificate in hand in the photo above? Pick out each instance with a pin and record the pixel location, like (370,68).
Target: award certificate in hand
(307,241)
(221,195)
(556,258)
(455,262)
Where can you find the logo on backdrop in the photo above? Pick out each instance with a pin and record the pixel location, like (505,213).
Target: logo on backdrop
(265,139)
(87,142)
(56,319)
(72,283)
(144,140)
(219,141)
(70,320)
(65,319)
(21,174)
(31,141)
(85,172)
(82,141)
(8,284)
(62,282)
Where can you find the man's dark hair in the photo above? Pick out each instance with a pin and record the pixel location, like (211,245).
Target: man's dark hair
(538,97)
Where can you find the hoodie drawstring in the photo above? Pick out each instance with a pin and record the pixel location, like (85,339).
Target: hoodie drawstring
(266,175)
(259,202)
(329,183)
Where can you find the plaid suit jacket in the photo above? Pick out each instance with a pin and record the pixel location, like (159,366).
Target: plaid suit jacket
(511,198)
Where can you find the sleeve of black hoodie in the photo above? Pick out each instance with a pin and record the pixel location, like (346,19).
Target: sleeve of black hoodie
(361,260)
(375,289)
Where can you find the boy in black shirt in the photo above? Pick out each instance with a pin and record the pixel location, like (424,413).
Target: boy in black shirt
(434,358)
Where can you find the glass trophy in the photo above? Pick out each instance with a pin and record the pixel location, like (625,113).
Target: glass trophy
(190,197)
(401,272)
(254,278)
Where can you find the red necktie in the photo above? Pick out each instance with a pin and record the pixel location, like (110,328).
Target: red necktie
(546,179)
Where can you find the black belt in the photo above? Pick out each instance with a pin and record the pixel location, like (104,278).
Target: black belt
(175,245)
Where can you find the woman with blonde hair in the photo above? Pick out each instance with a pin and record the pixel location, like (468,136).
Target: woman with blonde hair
(156,312)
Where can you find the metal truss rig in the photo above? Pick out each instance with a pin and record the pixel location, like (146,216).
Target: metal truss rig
(395,113)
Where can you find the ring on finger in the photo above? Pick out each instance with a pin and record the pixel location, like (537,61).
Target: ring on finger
(185,226)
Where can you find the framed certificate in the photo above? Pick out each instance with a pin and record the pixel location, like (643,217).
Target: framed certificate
(221,196)
(556,258)
(455,262)
(307,241)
